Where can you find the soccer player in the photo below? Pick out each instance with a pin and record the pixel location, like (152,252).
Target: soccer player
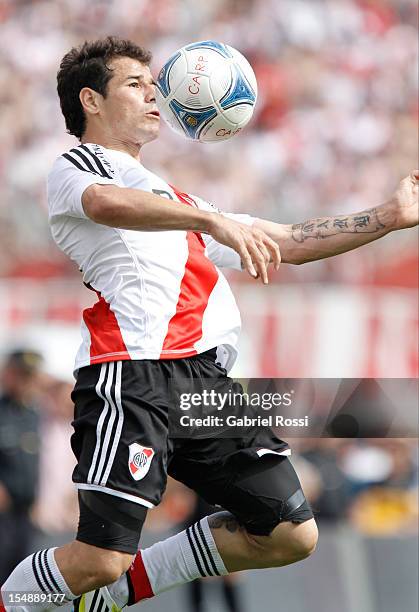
(164,311)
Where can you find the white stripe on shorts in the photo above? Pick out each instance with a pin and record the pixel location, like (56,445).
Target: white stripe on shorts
(100,421)
(105,445)
(128,496)
(119,424)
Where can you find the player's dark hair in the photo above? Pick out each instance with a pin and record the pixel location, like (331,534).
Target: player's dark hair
(87,66)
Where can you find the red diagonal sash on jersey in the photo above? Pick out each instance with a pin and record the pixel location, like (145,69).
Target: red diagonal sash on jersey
(105,336)
(199,279)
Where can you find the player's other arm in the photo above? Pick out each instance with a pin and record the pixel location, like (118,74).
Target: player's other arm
(140,210)
(328,236)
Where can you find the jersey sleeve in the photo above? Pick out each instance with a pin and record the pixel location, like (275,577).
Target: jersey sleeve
(222,256)
(68,179)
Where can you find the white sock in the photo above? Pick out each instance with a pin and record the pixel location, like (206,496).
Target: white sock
(188,555)
(38,580)
(182,558)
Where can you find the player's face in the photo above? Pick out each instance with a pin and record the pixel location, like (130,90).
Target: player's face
(129,109)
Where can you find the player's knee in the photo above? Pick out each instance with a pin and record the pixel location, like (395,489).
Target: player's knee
(90,567)
(303,541)
(111,567)
(102,567)
(288,543)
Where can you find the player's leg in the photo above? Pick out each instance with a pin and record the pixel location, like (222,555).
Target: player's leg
(272,526)
(122,467)
(240,550)
(54,577)
(107,541)
(183,558)
(106,545)
(270,523)
(120,442)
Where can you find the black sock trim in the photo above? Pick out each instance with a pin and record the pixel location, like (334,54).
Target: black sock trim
(43,571)
(198,543)
(194,553)
(36,574)
(49,572)
(211,558)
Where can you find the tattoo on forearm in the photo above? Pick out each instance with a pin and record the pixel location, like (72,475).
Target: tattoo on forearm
(365,222)
(224,520)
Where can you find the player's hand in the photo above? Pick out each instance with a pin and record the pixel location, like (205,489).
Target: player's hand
(404,202)
(255,248)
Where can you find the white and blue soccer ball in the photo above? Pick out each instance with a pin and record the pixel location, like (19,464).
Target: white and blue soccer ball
(207,91)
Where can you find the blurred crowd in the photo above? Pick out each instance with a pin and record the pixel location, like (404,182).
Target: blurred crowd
(334,130)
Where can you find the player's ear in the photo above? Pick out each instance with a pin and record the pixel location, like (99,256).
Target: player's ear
(90,100)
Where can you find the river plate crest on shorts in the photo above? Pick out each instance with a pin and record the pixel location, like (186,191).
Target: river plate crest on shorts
(139,462)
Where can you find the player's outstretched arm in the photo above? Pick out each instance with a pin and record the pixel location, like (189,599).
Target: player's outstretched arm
(140,210)
(328,236)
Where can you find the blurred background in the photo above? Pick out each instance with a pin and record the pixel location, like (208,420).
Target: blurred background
(335,129)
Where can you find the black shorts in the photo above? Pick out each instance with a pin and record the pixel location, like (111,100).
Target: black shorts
(123,448)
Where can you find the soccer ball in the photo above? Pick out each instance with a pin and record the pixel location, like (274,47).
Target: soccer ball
(207,91)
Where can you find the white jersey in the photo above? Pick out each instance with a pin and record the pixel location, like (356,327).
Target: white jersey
(161,294)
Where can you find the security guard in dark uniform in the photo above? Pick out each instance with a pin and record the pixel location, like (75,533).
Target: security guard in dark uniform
(19,456)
